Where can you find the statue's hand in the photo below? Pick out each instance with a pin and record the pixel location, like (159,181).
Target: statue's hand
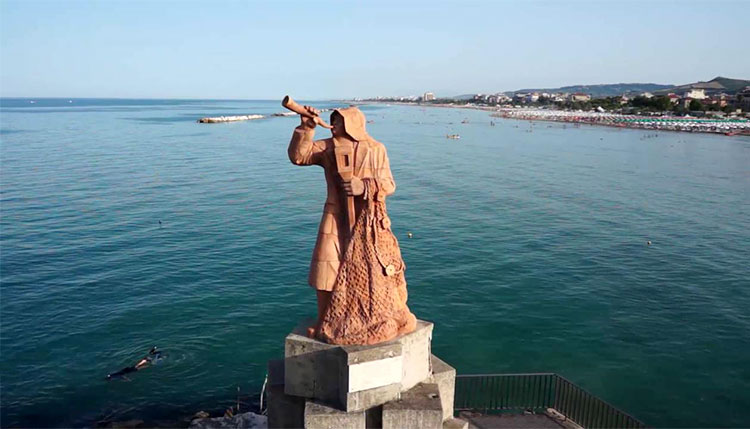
(309,122)
(354,187)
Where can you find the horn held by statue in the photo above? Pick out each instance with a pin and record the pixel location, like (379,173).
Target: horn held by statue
(295,107)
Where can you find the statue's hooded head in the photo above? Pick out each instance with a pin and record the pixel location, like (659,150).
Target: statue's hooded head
(353,122)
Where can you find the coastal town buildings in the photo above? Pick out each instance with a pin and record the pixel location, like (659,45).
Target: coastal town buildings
(579,96)
(499,98)
(720,100)
(481,97)
(410,98)
(519,97)
(695,101)
(697,94)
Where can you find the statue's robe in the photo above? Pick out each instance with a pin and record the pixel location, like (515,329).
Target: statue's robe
(370,162)
(363,268)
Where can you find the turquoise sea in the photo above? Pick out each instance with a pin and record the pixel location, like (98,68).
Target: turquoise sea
(529,252)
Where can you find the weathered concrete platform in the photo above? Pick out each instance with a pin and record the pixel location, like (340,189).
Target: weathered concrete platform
(395,384)
(289,411)
(418,408)
(320,416)
(509,421)
(284,411)
(355,378)
(444,376)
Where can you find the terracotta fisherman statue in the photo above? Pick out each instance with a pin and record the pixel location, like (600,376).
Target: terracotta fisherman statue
(356,265)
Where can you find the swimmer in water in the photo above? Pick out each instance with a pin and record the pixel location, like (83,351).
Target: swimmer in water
(151,358)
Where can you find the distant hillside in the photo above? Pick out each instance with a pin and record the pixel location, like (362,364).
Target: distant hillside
(606,90)
(717,84)
(462,97)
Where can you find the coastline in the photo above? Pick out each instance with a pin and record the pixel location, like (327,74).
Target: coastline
(729,127)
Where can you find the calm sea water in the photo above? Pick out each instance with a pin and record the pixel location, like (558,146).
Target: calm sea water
(528,252)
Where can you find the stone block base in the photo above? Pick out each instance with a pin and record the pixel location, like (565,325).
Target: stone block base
(395,384)
(319,416)
(356,378)
(417,409)
(418,406)
(454,423)
(284,411)
(417,349)
(444,376)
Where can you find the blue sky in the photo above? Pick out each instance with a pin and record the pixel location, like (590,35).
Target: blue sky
(320,50)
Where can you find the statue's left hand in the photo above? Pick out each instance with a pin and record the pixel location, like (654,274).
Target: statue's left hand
(354,187)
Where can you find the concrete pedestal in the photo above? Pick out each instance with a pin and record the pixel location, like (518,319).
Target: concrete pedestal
(355,378)
(444,376)
(319,416)
(454,423)
(284,411)
(396,384)
(419,408)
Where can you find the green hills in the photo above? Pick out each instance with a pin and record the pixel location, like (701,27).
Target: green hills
(717,84)
(605,90)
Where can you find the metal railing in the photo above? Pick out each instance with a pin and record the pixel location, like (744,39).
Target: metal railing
(495,393)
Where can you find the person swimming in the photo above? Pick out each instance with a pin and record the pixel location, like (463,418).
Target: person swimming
(152,358)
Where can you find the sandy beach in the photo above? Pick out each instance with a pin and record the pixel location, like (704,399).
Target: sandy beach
(660,123)
(656,123)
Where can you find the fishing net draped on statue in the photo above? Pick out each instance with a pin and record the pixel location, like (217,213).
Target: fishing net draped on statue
(368,304)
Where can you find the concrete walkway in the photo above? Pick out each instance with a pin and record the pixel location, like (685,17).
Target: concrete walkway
(521,421)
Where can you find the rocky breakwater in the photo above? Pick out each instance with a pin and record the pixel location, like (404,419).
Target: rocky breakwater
(219,119)
(239,421)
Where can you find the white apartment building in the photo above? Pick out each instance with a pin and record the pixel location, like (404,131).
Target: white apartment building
(697,94)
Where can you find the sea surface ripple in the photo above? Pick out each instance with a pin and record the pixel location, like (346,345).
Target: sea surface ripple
(126,224)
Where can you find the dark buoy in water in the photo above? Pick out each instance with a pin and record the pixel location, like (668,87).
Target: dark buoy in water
(648,243)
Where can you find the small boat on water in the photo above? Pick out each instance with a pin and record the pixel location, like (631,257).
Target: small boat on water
(452,136)
(465,121)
